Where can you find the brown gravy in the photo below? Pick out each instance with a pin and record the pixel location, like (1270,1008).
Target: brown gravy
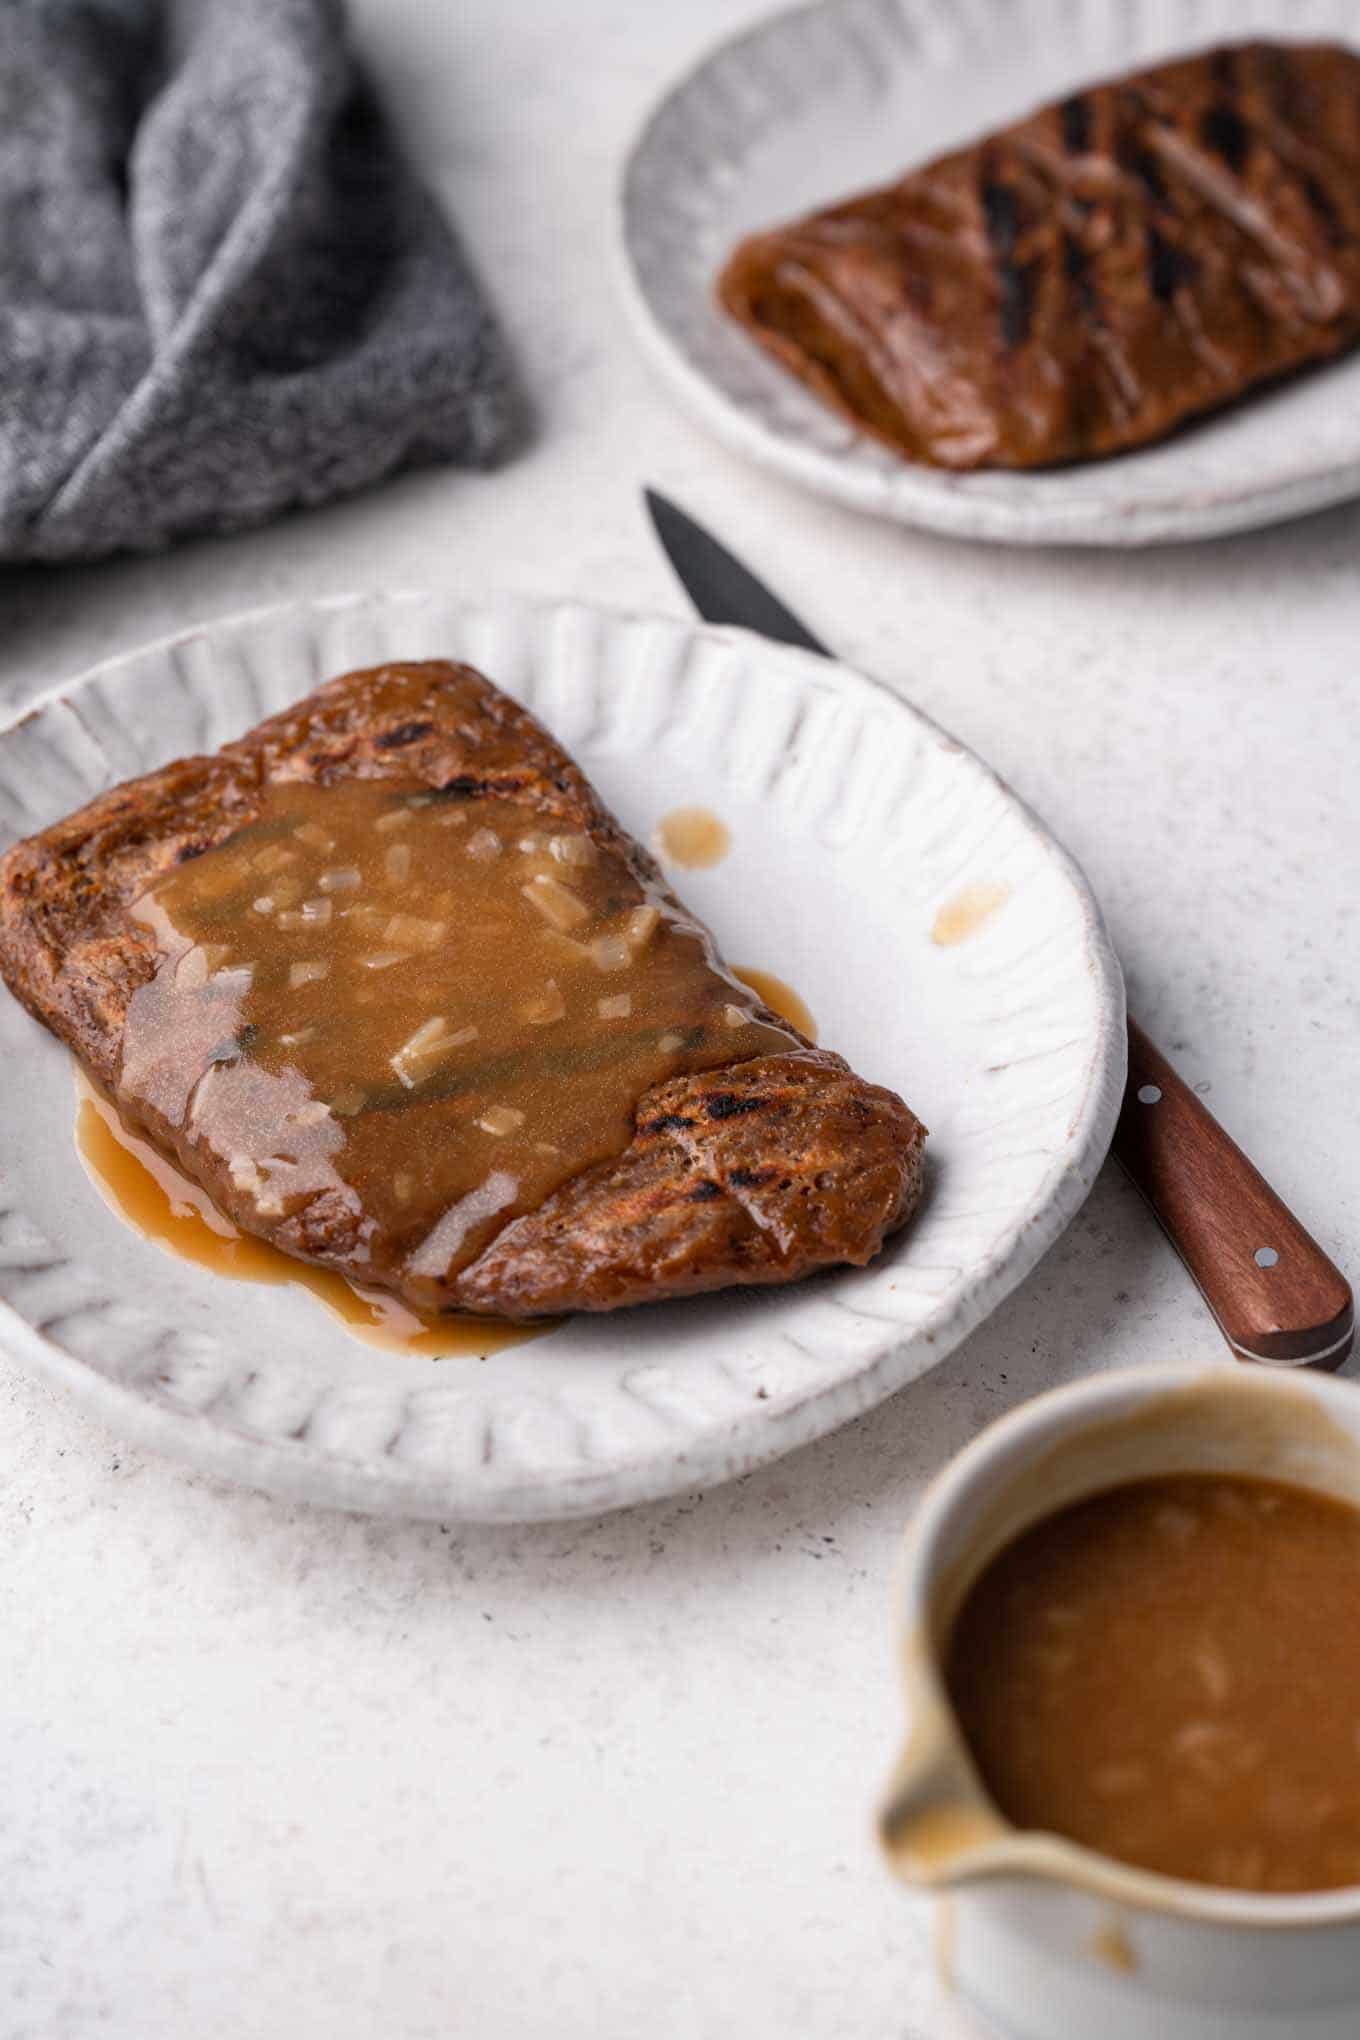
(155,1199)
(693,836)
(963,915)
(779,997)
(429,1013)
(1169,1673)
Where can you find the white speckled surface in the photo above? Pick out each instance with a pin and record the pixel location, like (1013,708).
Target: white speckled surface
(270,1771)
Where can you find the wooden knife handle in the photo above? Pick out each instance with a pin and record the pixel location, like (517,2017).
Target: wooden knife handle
(1276,1295)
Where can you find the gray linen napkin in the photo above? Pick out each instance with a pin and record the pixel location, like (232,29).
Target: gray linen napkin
(221,292)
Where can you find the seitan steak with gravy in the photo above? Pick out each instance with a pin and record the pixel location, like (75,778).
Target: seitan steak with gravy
(386,978)
(1129,258)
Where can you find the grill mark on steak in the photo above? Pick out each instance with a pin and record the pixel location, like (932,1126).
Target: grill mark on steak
(1075,116)
(1014,281)
(1223,130)
(1168,267)
(1327,215)
(1132,154)
(722,1105)
(404,733)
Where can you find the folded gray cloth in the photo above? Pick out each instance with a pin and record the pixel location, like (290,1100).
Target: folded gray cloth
(221,292)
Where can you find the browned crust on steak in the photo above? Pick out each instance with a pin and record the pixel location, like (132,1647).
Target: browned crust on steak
(758,1172)
(1084,282)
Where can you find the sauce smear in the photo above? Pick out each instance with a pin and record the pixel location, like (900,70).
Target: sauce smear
(150,1195)
(1169,1673)
(692,836)
(963,915)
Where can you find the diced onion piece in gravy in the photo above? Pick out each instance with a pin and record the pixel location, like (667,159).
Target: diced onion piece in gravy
(642,925)
(340,878)
(734,1016)
(501,1119)
(316,913)
(403,1186)
(383,959)
(547,1007)
(264,904)
(560,907)
(395,818)
(397,863)
(412,932)
(297,1037)
(452,818)
(617,1007)
(611,952)
(670,1042)
(347,1101)
(307,971)
(273,857)
(428,1031)
(483,845)
(314,836)
(573,850)
(429,1046)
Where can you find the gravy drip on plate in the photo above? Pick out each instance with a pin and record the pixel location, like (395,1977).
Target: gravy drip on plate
(779,997)
(426,1012)
(1169,1673)
(693,836)
(156,1200)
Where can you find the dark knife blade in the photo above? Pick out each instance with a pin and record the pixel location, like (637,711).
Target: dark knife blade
(719,586)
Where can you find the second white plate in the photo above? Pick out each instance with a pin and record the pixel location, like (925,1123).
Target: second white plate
(824,101)
(854,822)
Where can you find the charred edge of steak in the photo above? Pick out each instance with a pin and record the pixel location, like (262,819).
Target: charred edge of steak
(822,1168)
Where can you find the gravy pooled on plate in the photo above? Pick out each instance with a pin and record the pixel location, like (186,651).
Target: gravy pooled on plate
(1169,1673)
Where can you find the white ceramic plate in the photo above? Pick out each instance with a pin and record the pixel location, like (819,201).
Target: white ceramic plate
(819,103)
(853,821)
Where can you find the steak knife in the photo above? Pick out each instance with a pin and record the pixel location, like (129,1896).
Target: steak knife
(1276,1296)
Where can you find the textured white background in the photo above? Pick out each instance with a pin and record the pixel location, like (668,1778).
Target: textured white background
(271,1772)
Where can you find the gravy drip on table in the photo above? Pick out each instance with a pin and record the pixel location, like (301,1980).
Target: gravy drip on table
(425,1013)
(156,1200)
(1169,1673)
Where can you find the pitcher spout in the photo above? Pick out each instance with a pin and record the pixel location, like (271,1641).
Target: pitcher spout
(936,1823)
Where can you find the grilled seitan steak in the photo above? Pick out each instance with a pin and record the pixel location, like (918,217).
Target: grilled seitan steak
(392,985)
(1084,282)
